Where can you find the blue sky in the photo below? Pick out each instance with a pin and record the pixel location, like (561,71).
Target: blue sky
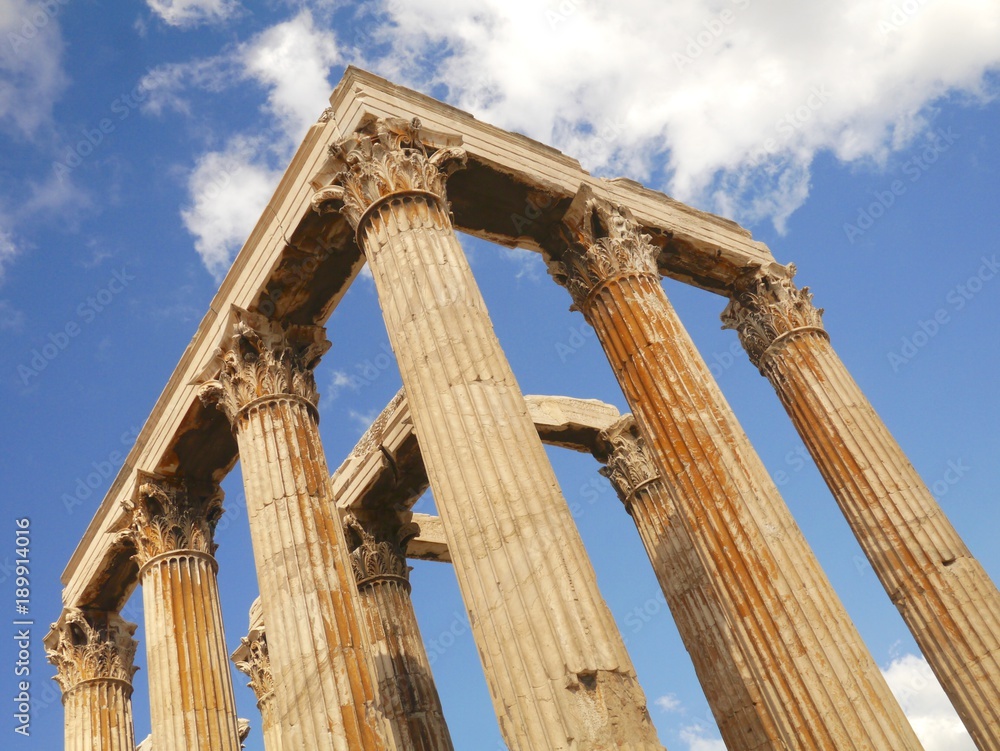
(140,143)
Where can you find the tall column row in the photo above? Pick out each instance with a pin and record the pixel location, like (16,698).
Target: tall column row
(818,684)
(947,599)
(556,667)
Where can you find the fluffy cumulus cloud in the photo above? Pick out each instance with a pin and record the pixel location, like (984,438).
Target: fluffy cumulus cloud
(724,103)
(923,700)
(229,187)
(8,251)
(188,13)
(31,75)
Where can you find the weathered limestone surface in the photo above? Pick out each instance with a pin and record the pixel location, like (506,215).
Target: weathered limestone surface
(93,654)
(192,706)
(323,680)
(731,689)
(946,598)
(555,664)
(407,694)
(819,685)
(252,658)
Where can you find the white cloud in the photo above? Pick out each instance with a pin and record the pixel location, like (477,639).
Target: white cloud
(925,703)
(229,189)
(189,13)
(8,251)
(31,75)
(669,703)
(11,319)
(736,96)
(695,736)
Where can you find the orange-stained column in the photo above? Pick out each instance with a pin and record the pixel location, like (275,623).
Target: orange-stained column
(252,658)
(93,652)
(730,688)
(945,596)
(407,694)
(323,680)
(555,663)
(816,679)
(191,701)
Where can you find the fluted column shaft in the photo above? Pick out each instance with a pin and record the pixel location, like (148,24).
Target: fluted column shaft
(945,596)
(730,687)
(555,663)
(407,694)
(191,701)
(93,653)
(816,678)
(323,680)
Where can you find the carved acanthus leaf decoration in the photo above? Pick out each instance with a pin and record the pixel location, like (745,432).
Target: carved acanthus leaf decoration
(767,305)
(629,465)
(168,515)
(261,357)
(99,646)
(388,156)
(378,548)
(605,243)
(252,659)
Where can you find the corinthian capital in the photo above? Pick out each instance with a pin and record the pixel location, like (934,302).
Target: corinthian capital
(251,657)
(604,242)
(628,464)
(765,306)
(260,357)
(168,515)
(385,157)
(91,645)
(378,547)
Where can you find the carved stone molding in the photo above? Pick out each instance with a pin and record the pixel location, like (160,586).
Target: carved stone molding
(252,659)
(386,157)
(766,306)
(628,464)
(605,242)
(260,357)
(90,646)
(378,548)
(169,514)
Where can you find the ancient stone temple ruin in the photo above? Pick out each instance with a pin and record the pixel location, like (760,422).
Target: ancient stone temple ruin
(333,652)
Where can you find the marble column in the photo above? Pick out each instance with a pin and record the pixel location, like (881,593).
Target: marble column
(93,653)
(555,663)
(252,658)
(192,706)
(815,677)
(323,679)
(730,687)
(943,593)
(406,690)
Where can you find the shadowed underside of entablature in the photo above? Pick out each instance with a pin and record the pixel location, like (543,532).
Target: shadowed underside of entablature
(296,266)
